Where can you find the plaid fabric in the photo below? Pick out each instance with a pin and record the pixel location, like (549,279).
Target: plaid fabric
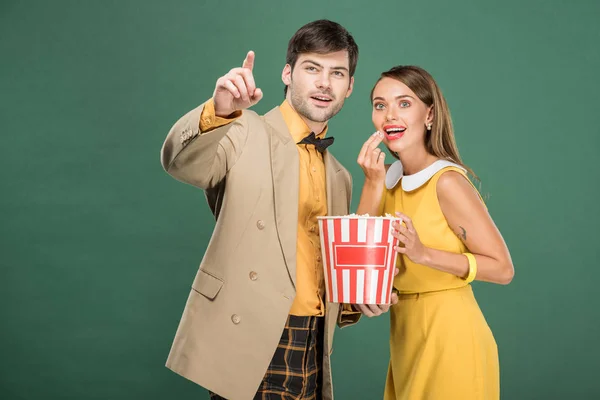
(295,370)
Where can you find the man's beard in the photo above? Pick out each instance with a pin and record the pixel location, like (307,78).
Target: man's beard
(309,111)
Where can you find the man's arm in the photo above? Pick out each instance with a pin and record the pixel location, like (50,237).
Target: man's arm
(347,316)
(204,144)
(202,159)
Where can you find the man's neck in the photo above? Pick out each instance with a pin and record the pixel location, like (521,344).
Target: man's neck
(316,127)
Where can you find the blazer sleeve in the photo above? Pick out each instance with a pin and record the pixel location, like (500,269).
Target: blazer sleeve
(203,159)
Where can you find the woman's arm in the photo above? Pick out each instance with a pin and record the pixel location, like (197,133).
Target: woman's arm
(470,220)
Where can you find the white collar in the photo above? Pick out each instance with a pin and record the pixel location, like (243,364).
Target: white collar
(411,182)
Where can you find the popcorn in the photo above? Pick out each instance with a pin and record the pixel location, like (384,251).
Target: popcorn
(353,215)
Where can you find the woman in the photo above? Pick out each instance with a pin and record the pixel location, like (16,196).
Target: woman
(441,346)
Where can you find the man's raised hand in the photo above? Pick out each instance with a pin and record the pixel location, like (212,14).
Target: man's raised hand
(237,90)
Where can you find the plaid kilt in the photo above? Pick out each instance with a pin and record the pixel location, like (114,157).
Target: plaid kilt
(295,370)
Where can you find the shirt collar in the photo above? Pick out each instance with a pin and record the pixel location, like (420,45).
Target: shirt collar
(416,180)
(295,124)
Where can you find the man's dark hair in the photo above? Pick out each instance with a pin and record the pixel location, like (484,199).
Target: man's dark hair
(322,37)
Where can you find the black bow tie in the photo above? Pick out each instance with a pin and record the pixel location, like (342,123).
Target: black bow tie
(320,144)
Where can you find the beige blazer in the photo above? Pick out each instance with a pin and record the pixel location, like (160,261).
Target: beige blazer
(240,298)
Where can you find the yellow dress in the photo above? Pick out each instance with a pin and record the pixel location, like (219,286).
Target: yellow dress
(441,347)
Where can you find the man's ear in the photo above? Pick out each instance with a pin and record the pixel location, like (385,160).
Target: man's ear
(286,74)
(351,87)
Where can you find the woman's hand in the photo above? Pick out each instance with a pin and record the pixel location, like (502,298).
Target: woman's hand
(408,236)
(371,159)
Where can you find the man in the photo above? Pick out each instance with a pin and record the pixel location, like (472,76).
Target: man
(256,324)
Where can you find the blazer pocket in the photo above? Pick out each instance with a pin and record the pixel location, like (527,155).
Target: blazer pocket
(207,285)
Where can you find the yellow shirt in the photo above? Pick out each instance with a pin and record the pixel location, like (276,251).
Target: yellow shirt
(312,202)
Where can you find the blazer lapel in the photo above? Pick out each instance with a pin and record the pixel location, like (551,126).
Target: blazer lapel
(285,172)
(336,192)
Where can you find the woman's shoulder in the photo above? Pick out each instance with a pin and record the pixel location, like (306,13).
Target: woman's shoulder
(454,186)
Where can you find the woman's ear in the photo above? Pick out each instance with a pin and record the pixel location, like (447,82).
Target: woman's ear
(430,115)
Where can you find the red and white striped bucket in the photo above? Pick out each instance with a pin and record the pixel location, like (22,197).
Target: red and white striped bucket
(359,258)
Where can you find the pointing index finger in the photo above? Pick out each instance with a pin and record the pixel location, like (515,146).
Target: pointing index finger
(249,61)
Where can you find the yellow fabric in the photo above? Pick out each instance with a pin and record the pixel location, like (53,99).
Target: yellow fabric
(422,206)
(312,202)
(209,121)
(472,267)
(441,349)
(440,344)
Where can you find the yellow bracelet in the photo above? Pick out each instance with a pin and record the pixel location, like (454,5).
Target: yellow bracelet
(472,267)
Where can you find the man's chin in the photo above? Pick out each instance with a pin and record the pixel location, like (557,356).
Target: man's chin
(319,118)
(320,114)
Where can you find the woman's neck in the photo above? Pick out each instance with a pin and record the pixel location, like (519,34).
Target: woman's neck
(414,161)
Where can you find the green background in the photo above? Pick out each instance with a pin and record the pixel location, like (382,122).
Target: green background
(99,245)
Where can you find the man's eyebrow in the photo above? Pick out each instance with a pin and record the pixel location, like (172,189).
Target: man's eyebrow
(320,66)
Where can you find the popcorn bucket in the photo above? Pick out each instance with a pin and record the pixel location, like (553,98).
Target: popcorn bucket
(359,258)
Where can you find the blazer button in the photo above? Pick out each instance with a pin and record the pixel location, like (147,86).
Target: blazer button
(260,224)
(236,319)
(253,276)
